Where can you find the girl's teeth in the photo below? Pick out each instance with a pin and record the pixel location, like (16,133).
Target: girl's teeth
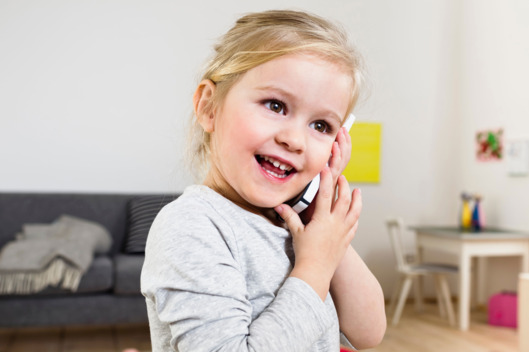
(277,164)
(275,175)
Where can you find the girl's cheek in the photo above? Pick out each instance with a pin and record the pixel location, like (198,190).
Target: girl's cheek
(323,159)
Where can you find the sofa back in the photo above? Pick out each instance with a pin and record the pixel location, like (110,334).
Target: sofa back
(109,210)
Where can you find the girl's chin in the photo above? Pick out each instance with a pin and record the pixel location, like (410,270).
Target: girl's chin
(268,203)
(267,199)
(272,205)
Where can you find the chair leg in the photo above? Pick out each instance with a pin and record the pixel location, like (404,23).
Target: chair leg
(440,297)
(418,294)
(447,300)
(402,299)
(395,295)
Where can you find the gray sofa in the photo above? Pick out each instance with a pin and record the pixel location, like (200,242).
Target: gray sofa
(109,292)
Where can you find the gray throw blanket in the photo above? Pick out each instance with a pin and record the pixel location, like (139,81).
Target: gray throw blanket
(51,254)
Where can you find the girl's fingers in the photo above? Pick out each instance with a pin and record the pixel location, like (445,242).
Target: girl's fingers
(335,161)
(343,201)
(337,149)
(349,205)
(356,206)
(290,217)
(352,232)
(346,146)
(341,153)
(325,193)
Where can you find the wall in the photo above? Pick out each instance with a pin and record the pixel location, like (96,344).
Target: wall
(494,56)
(95,98)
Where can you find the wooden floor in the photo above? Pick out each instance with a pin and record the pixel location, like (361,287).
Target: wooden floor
(416,332)
(428,332)
(104,339)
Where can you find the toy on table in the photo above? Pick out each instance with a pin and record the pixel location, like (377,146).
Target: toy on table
(465,221)
(478,218)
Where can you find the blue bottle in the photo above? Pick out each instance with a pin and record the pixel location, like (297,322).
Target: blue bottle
(477,224)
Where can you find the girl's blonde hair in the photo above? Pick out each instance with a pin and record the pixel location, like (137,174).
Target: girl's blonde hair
(257,38)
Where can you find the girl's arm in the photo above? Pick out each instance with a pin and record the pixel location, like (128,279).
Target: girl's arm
(359,301)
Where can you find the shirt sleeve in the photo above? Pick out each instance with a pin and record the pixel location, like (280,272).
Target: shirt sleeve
(193,282)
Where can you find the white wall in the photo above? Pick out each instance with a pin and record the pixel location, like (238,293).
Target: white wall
(95,96)
(494,87)
(409,48)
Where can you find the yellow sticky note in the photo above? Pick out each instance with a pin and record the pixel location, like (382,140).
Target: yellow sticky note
(364,165)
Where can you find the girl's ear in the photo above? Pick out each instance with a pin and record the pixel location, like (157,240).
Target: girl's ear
(202,102)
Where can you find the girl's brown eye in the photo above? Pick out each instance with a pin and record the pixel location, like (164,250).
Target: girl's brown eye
(320,126)
(275,106)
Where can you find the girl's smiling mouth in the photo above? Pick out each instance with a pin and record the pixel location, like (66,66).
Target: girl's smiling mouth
(274,167)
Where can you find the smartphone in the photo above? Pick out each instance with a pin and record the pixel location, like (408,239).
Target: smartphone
(302,201)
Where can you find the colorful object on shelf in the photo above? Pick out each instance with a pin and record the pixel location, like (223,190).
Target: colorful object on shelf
(489,145)
(471,218)
(465,220)
(478,218)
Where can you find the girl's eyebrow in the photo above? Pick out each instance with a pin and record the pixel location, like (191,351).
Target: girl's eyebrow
(284,93)
(279,90)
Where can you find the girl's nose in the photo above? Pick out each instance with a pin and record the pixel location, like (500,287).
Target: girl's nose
(292,137)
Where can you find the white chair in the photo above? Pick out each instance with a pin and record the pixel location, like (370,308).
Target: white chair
(414,272)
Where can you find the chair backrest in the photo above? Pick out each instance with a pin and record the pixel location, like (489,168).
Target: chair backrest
(395,227)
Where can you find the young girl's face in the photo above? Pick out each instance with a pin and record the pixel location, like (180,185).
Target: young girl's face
(275,129)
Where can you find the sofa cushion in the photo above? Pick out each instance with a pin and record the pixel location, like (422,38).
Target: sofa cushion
(99,276)
(128,271)
(141,213)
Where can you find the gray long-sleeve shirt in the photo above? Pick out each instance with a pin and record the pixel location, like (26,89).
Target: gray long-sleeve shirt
(215,278)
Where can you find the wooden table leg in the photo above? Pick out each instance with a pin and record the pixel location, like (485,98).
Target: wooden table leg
(481,282)
(464,290)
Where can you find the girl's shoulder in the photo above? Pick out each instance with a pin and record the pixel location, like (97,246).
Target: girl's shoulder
(199,208)
(197,201)
(194,217)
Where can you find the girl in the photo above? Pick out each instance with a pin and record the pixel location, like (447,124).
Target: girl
(229,266)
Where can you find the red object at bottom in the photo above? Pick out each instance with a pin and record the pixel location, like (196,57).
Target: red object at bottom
(503,309)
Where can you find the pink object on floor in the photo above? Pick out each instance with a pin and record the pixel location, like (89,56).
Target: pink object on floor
(503,309)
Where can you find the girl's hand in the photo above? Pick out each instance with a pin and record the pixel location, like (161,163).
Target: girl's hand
(320,245)
(340,156)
